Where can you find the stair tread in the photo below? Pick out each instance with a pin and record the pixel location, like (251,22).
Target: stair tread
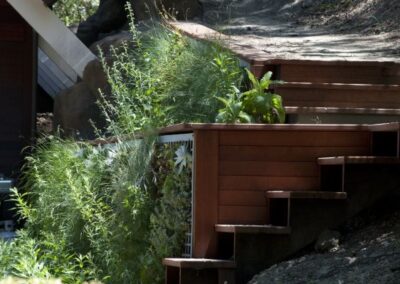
(252,229)
(344,110)
(381,127)
(306,194)
(340,160)
(198,263)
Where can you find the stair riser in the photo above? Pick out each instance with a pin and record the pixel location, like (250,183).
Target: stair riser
(345,98)
(355,73)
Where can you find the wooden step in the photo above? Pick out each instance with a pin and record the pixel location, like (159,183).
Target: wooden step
(252,229)
(339,95)
(341,160)
(385,127)
(199,271)
(306,194)
(198,263)
(352,72)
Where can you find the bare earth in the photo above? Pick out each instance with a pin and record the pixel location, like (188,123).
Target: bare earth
(317,30)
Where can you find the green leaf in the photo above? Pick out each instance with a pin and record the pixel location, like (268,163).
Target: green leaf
(278,107)
(253,79)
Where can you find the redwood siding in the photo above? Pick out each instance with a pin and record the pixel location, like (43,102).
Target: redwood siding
(251,162)
(17,84)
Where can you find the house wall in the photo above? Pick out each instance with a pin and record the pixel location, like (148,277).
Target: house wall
(17,85)
(234,168)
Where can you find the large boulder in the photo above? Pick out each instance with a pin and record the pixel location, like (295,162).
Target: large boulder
(75,109)
(111,15)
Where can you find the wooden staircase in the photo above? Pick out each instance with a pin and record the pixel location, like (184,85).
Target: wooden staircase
(356,173)
(338,91)
(348,184)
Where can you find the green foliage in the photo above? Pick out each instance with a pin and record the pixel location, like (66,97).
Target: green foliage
(255,105)
(112,213)
(74,11)
(167,78)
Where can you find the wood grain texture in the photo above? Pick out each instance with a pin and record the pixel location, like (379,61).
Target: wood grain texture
(242,198)
(296,138)
(268,168)
(247,183)
(205,194)
(255,215)
(286,154)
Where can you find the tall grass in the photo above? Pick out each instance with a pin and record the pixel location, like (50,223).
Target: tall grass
(112,213)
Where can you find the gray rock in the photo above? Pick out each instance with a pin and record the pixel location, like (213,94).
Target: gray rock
(328,241)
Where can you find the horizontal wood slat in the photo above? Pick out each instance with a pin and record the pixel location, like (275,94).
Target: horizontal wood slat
(268,183)
(341,160)
(306,194)
(295,138)
(242,198)
(285,154)
(350,72)
(255,215)
(279,169)
(198,263)
(337,97)
(252,229)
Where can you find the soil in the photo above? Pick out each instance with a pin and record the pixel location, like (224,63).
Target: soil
(369,252)
(311,29)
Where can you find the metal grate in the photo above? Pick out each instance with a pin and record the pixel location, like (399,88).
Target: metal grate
(188,142)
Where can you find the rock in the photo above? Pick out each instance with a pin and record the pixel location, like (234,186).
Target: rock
(74,109)
(95,78)
(107,41)
(328,241)
(111,15)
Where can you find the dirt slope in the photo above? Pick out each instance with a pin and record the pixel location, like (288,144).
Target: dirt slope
(311,29)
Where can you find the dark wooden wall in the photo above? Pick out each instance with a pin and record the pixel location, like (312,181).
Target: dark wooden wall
(17,87)
(235,168)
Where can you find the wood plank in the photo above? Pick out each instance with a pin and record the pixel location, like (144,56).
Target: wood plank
(341,160)
(206,193)
(252,229)
(190,127)
(198,263)
(11,32)
(285,154)
(242,215)
(296,138)
(268,183)
(391,126)
(279,169)
(341,110)
(306,194)
(352,72)
(242,198)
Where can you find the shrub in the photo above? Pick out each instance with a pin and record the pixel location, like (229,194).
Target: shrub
(73,11)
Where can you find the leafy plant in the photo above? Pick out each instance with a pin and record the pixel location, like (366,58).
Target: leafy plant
(73,11)
(255,105)
(261,105)
(233,111)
